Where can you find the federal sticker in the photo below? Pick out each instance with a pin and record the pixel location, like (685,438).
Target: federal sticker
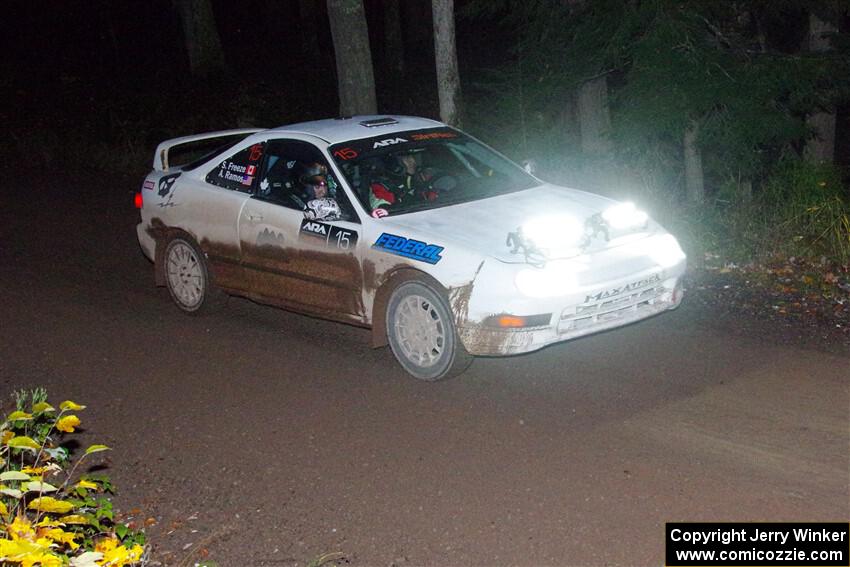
(409,248)
(332,236)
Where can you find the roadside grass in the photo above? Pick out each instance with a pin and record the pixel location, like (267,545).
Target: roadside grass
(53,512)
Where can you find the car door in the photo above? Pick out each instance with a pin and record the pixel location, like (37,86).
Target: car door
(307,264)
(210,207)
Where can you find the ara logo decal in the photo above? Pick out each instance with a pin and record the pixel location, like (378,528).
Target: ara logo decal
(623,289)
(409,248)
(388,142)
(313,227)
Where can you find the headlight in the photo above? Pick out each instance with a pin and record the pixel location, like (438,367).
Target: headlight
(554,279)
(624,216)
(665,251)
(554,231)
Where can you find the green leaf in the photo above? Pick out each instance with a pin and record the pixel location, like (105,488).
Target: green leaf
(13,492)
(42,407)
(18,416)
(23,442)
(38,486)
(14,475)
(97,449)
(121,531)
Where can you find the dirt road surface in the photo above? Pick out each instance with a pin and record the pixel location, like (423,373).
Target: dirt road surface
(259,437)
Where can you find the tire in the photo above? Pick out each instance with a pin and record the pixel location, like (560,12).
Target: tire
(187,277)
(421,333)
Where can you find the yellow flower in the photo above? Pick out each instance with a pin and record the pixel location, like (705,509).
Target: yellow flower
(32,470)
(69,405)
(87,484)
(3,510)
(59,536)
(6,435)
(29,553)
(20,529)
(115,555)
(42,407)
(73,519)
(106,544)
(19,416)
(68,423)
(44,560)
(49,504)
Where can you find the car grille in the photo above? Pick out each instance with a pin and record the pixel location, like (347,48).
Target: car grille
(626,306)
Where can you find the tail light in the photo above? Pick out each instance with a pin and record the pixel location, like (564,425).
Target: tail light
(137,200)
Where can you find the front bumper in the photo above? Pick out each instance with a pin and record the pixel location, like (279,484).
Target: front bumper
(571,322)
(597,292)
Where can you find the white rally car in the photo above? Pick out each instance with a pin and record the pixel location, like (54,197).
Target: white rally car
(440,245)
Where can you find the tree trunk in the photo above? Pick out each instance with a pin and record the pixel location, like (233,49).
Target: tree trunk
(820,148)
(200,33)
(448,80)
(393,44)
(594,117)
(355,77)
(694,184)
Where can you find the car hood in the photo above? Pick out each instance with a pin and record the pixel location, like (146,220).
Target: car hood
(484,226)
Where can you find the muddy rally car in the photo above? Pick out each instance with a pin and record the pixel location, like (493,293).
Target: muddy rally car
(439,244)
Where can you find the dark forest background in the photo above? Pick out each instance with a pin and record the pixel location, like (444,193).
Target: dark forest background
(704,111)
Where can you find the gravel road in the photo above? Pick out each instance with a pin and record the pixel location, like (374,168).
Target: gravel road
(259,437)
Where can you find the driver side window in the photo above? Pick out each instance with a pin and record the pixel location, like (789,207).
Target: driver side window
(295,174)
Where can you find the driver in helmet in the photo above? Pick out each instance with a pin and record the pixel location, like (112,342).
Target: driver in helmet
(320,203)
(314,182)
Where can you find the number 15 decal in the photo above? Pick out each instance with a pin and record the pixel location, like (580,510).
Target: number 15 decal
(345,239)
(332,236)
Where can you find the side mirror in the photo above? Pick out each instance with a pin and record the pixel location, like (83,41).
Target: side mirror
(530,166)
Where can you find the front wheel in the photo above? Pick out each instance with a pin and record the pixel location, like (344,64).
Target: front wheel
(187,277)
(422,335)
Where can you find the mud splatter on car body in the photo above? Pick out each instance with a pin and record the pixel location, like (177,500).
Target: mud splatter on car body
(262,238)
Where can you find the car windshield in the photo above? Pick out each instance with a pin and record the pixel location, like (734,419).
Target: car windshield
(418,170)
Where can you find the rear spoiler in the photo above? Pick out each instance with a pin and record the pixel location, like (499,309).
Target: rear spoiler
(160,158)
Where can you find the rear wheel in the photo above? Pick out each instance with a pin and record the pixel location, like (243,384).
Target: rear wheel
(421,333)
(187,277)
